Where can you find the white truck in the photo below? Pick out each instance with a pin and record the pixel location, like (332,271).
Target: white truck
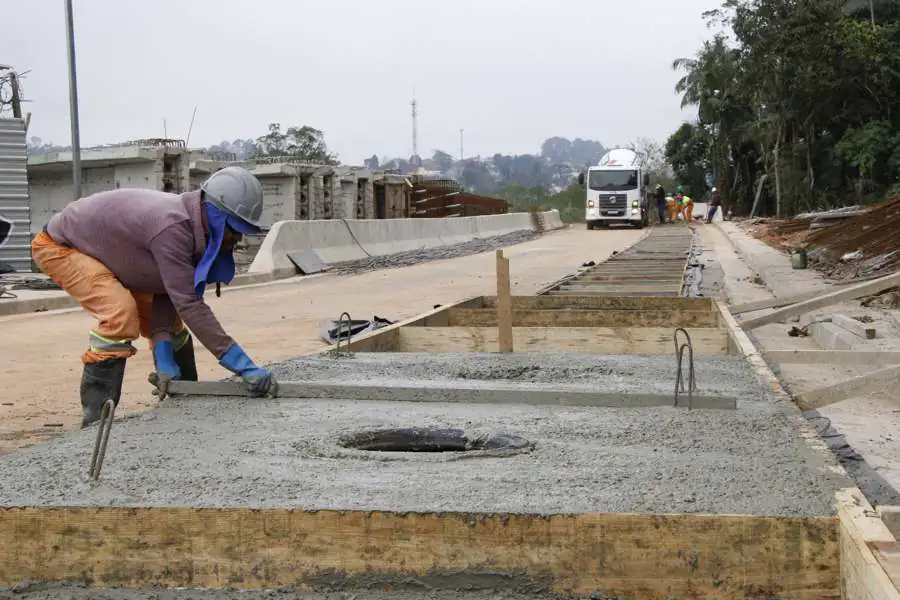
(617,190)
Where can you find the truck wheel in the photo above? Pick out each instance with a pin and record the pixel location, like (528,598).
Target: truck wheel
(590,225)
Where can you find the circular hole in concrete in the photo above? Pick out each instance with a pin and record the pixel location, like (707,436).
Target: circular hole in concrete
(425,439)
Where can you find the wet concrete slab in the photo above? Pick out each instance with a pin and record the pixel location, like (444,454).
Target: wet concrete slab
(238,452)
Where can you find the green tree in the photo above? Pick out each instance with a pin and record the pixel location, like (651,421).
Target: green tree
(688,151)
(299,143)
(801,92)
(442,160)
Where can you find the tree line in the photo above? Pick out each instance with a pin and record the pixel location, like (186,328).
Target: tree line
(797,102)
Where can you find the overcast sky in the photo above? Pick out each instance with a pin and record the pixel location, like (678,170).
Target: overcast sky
(511,73)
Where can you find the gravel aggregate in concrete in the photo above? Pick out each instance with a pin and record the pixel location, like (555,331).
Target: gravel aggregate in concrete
(414,257)
(720,375)
(285,453)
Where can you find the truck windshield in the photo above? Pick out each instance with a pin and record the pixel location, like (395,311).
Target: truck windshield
(613,180)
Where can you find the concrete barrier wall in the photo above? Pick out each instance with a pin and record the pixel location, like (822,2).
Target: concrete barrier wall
(552,220)
(354,239)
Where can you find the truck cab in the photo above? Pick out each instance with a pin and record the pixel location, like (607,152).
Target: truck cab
(617,190)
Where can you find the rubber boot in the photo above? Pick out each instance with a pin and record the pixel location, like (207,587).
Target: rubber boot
(184,358)
(100,382)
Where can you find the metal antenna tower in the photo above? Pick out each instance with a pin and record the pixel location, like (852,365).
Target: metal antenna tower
(415,124)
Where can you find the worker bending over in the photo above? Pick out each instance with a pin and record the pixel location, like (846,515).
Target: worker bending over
(687,207)
(139,262)
(671,207)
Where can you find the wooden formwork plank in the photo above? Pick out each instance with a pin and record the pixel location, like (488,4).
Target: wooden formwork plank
(835,357)
(621,292)
(864,575)
(387,339)
(855,327)
(503,313)
(707,341)
(485,317)
(883,381)
(617,555)
(850,293)
(602,302)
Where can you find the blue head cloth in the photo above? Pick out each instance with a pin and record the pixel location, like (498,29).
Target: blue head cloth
(215,267)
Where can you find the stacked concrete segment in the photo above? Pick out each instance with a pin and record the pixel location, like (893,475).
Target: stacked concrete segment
(352,239)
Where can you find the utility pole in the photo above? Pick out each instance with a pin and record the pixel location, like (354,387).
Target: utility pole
(462,155)
(73,102)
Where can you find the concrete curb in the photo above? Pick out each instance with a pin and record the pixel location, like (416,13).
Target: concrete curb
(744,256)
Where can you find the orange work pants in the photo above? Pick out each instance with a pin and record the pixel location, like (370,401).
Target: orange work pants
(674,209)
(688,212)
(122,315)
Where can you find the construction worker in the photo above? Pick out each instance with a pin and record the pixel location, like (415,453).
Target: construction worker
(687,208)
(139,261)
(671,207)
(714,205)
(661,203)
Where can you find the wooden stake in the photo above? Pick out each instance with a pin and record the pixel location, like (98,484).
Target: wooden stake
(504,304)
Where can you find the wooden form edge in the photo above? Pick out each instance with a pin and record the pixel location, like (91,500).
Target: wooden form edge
(389,335)
(859,522)
(619,554)
(861,385)
(834,357)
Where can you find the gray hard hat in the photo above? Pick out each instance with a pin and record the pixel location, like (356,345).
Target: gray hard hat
(237,192)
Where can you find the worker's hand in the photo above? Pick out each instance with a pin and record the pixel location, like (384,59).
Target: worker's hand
(166,368)
(259,381)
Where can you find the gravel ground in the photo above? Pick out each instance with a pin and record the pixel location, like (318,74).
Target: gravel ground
(720,375)
(414,257)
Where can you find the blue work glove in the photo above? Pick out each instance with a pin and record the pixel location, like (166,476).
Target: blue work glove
(258,380)
(166,367)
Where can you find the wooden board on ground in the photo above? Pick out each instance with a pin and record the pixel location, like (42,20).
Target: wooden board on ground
(850,293)
(597,302)
(835,357)
(883,381)
(863,575)
(486,317)
(597,340)
(740,309)
(616,555)
(857,328)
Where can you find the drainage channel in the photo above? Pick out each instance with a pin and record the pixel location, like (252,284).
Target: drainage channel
(661,264)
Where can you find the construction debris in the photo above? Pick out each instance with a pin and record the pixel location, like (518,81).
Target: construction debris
(848,243)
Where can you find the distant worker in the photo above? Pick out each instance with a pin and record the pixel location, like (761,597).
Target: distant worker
(139,262)
(661,203)
(671,207)
(687,208)
(714,205)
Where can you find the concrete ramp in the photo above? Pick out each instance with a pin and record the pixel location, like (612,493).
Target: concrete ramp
(353,239)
